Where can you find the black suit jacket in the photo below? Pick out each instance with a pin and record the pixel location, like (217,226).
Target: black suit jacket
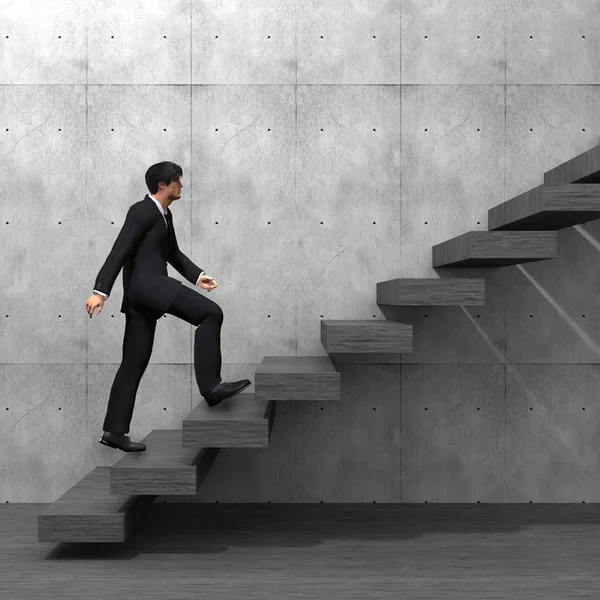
(143,248)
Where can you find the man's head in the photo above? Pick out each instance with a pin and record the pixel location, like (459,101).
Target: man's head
(164,181)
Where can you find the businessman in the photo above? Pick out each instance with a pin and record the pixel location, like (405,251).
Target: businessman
(143,247)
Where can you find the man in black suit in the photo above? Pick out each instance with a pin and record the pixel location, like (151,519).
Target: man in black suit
(143,247)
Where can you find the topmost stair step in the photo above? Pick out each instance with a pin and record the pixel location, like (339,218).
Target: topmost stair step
(584,168)
(547,207)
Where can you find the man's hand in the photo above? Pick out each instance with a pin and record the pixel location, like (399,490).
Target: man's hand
(207,283)
(94,301)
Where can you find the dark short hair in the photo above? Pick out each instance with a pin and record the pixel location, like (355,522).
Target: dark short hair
(165,171)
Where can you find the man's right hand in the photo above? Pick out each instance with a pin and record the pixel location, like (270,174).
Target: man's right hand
(94,301)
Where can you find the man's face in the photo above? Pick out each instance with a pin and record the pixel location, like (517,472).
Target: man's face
(174,188)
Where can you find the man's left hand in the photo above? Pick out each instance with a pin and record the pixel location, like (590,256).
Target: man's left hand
(207,283)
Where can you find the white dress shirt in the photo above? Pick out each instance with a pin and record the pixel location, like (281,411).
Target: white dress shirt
(164,215)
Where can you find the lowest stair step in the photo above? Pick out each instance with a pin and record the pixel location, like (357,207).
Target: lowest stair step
(431,292)
(166,467)
(548,207)
(88,512)
(495,249)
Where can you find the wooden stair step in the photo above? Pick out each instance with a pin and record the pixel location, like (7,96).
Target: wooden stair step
(584,168)
(495,249)
(88,512)
(366,341)
(297,378)
(238,422)
(166,467)
(547,207)
(431,292)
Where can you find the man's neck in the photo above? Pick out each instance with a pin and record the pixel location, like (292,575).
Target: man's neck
(163,206)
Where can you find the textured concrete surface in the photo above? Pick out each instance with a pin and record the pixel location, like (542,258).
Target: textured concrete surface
(317,161)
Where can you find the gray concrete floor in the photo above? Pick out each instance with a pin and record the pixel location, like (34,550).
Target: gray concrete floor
(323,551)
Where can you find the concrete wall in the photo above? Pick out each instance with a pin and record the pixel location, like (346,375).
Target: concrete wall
(317,161)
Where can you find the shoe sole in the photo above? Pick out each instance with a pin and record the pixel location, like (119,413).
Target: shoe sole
(103,441)
(111,445)
(211,404)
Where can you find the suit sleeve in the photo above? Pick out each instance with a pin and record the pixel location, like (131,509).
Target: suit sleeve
(182,264)
(131,234)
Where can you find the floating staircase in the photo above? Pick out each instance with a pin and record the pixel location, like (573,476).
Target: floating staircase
(108,503)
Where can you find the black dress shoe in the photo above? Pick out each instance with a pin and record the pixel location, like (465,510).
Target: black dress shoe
(121,441)
(224,390)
